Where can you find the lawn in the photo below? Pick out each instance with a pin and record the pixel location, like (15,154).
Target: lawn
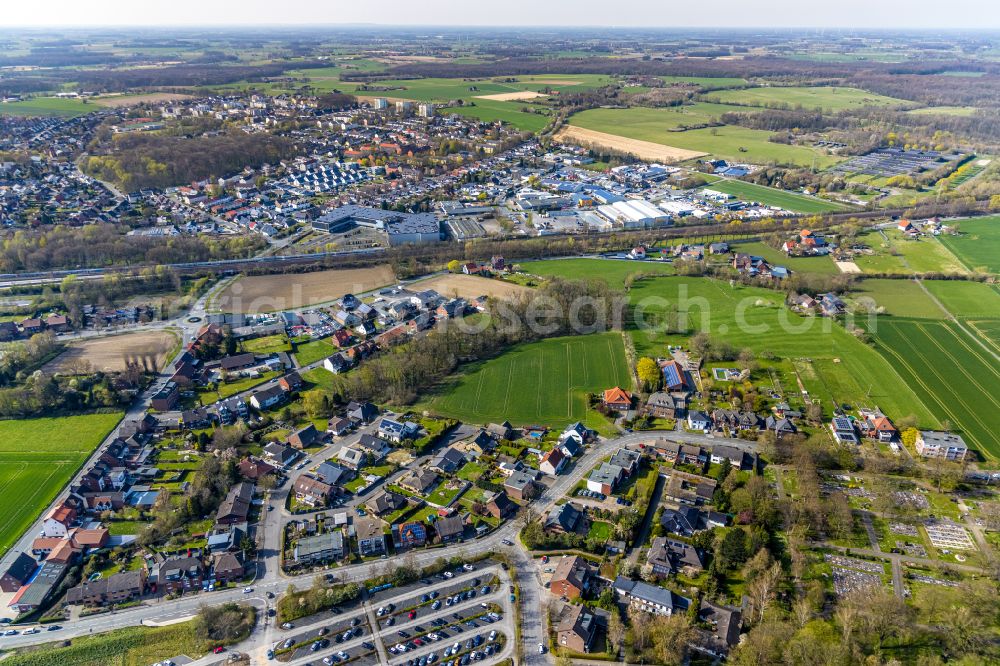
(952,375)
(312,351)
(133,646)
(945,111)
(770,196)
(37,458)
(443,496)
(978,245)
(823,265)
(599,530)
(226,389)
(663,126)
(471,471)
(827,98)
(899,298)
(319,378)
(838,364)
(967,299)
(543,382)
(612,271)
(895,254)
(270,344)
(47,106)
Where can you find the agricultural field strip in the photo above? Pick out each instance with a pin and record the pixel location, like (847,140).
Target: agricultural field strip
(912,350)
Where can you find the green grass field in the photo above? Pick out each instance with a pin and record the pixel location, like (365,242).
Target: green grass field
(612,271)
(37,458)
(538,383)
(47,106)
(827,98)
(904,256)
(271,344)
(822,265)
(900,298)
(842,367)
(769,196)
(945,111)
(967,299)
(953,376)
(312,351)
(726,141)
(978,246)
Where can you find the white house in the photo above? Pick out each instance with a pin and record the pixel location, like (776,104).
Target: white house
(698,421)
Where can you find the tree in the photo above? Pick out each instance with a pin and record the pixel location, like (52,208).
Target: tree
(455,266)
(671,637)
(747,359)
(228,623)
(762,589)
(732,551)
(649,373)
(316,404)
(616,632)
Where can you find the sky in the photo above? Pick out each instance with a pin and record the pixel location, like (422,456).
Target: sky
(890,14)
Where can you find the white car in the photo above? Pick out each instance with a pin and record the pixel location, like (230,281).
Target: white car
(448,574)
(468,567)
(247,590)
(33,630)
(541,649)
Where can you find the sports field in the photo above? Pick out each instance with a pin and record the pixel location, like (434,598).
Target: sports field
(845,369)
(612,271)
(542,382)
(953,376)
(47,106)
(37,458)
(827,98)
(899,298)
(726,141)
(769,196)
(978,246)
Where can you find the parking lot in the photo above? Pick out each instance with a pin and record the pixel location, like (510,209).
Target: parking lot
(462,606)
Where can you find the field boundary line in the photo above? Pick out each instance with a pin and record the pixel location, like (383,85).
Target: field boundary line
(946,353)
(960,336)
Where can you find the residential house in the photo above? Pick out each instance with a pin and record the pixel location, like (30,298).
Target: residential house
(419,481)
(18,573)
(386,502)
(617,399)
(698,420)
(236,506)
(267,397)
(291,382)
(333,474)
(628,460)
(338,426)
(228,567)
(577,628)
(690,489)
(831,305)
(650,598)
(114,589)
(577,433)
(255,469)
(336,363)
(726,623)
(877,426)
(675,377)
(305,437)
(501,507)
(320,548)
(312,491)
(666,556)
(932,444)
(40,587)
(564,518)
(281,454)
(686,520)
(571,577)
(58,521)
(501,431)
(553,461)
(166,398)
(779,425)
(604,478)
(843,430)
(237,362)
(737,457)
(666,405)
(448,461)
(362,412)
(396,431)
(409,535)
(180,574)
(450,528)
(520,485)
(370,537)
(736,420)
